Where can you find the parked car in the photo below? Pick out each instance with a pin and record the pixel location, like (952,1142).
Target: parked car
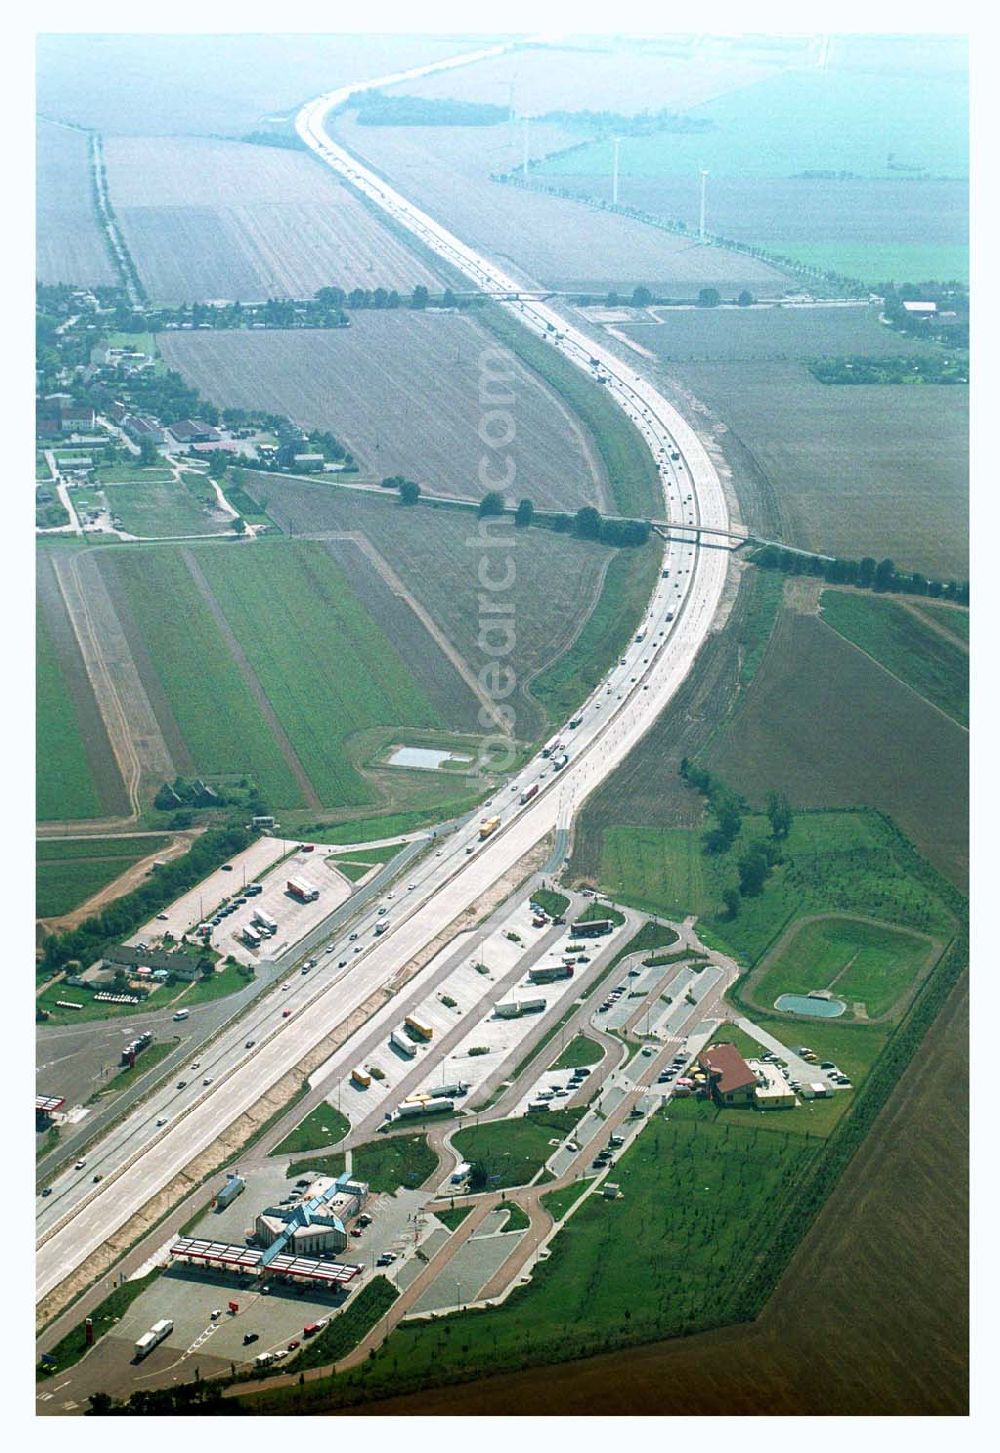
(249,1337)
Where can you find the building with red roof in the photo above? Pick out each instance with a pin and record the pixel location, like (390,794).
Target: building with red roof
(730,1078)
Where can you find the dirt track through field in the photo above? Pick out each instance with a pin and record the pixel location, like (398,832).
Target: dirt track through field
(131,724)
(253,684)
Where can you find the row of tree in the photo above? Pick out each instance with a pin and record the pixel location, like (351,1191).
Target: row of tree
(869,574)
(587,524)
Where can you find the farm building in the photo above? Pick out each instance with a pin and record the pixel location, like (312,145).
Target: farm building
(307,462)
(139,428)
(730,1078)
(194,431)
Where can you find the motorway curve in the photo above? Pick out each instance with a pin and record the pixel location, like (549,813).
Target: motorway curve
(141,1158)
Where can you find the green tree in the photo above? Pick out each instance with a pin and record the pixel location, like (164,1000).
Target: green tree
(409,492)
(524,513)
(148,453)
(731,899)
(491,504)
(587,523)
(885,574)
(478,1176)
(421,297)
(753,870)
(779,814)
(240,525)
(709,298)
(641,297)
(745,299)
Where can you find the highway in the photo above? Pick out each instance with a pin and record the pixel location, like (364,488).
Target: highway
(139,1157)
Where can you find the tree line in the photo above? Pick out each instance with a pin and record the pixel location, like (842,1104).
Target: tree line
(728,808)
(868,574)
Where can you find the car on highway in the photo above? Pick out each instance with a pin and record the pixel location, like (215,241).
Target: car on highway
(331,949)
(250,1044)
(309,964)
(208,1079)
(162,917)
(342,964)
(286,1013)
(285,988)
(47,1191)
(293,1346)
(80,1165)
(97,1178)
(227,868)
(383,910)
(359,948)
(411,887)
(352,936)
(182,1084)
(161,1122)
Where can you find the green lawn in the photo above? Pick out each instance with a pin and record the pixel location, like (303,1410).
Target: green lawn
(557,1203)
(554,904)
(50,514)
(398,1160)
(218,717)
(597,910)
(852,862)
(514,1151)
(344,1332)
(327,668)
(452,1216)
(68,873)
(627,587)
(896,639)
(323,1126)
(354,871)
(64,784)
(857,961)
(214,986)
(517,1219)
(153,1055)
(154,510)
(580,1051)
(129,473)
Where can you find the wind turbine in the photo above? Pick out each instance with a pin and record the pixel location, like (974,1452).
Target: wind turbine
(701,213)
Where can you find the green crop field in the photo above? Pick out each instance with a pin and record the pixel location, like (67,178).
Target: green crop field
(852,862)
(65,786)
(579,1051)
(128,473)
(68,873)
(859,962)
(514,1151)
(953,619)
(325,666)
(323,1126)
(154,510)
(897,640)
(216,715)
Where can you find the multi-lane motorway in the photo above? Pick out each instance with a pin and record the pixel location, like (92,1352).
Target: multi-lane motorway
(140,1156)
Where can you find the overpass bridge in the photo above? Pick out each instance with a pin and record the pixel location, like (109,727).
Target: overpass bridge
(727,539)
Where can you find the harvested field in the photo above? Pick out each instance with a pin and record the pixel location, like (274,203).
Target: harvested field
(77,775)
(768,334)
(69,244)
(818,1348)
(854,471)
(206,219)
(404,391)
(436,554)
(824,724)
(559,243)
(156,509)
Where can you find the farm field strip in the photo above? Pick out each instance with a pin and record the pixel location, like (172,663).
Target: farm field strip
(67,874)
(326,668)
(66,785)
(433,367)
(70,246)
(216,715)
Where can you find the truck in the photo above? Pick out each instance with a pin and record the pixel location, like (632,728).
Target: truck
(402,1043)
(448,1091)
(361,1078)
(535,1105)
(251,937)
(554,746)
(514,1008)
(593,928)
(425,1107)
(380,928)
(136,1047)
(303,891)
(156,1334)
(560,762)
(417,1027)
(547,973)
(529,793)
(575,722)
(641,635)
(265,921)
(488,826)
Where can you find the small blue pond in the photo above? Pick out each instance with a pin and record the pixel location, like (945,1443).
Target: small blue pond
(802,1004)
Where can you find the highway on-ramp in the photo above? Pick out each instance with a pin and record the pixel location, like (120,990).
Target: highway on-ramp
(139,1157)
